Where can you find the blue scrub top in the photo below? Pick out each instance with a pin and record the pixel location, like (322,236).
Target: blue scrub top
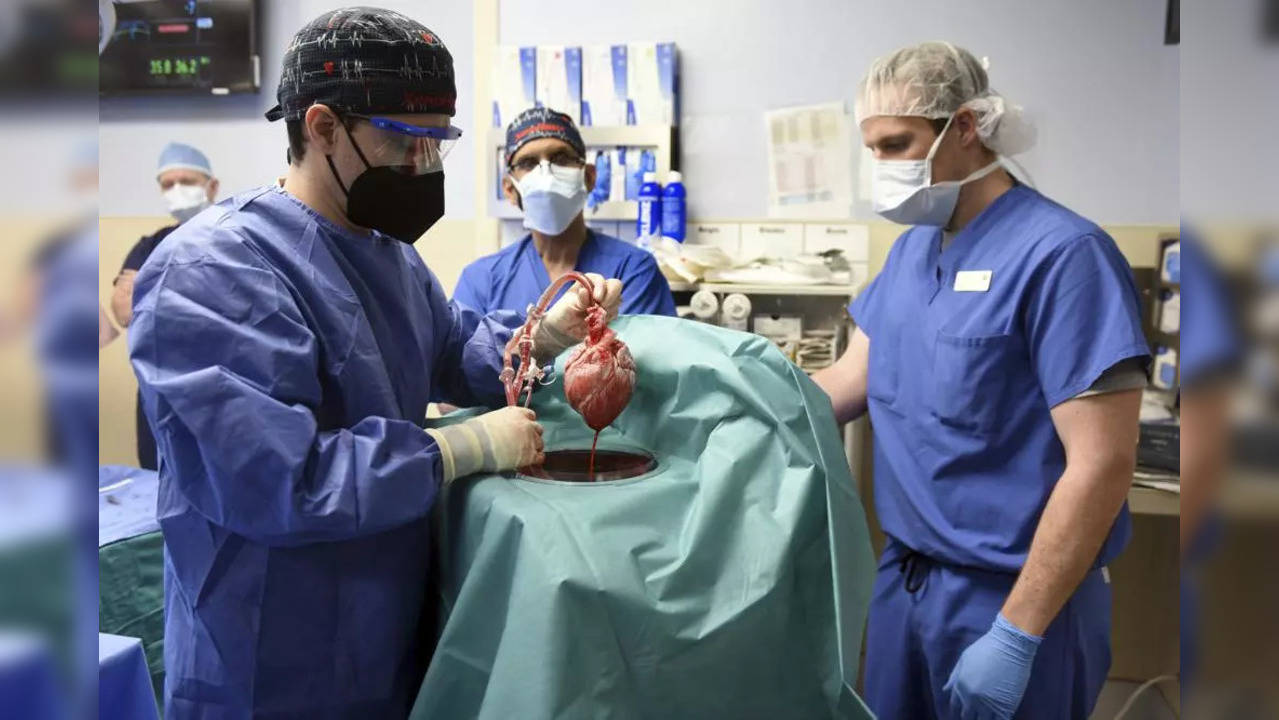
(515,277)
(285,365)
(960,383)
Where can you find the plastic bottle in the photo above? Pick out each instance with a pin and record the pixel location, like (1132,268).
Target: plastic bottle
(673,212)
(1171,265)
(1170,312)
(1165,368)
(648,224)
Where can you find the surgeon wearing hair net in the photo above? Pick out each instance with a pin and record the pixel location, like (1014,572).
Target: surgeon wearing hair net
(287,342)
(1001,358)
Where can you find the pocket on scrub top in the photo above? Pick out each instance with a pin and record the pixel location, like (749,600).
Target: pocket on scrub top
(881,372)
(970,381)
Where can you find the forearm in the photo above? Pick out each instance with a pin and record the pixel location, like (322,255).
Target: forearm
(1204,455)
(848,404)
(1074,524)
(334,485)
(846,381)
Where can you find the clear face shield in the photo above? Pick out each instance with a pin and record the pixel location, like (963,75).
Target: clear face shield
(406,148)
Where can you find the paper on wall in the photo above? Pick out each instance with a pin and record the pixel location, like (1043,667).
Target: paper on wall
(809,162)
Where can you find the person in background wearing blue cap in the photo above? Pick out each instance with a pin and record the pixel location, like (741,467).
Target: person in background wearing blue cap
(287,342)
(549,179)
(187,185)
(1001,357)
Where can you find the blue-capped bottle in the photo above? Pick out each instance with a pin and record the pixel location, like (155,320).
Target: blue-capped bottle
(648,225)
(673,206)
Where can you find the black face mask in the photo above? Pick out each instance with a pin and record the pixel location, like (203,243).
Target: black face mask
(391,200)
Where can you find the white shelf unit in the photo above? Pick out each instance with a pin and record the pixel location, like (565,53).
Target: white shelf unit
(845,291)
(658,138)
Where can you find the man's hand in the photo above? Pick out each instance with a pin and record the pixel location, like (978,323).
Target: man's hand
(990,678)
(106,331)
(504,439)
(122,297)
(565,322)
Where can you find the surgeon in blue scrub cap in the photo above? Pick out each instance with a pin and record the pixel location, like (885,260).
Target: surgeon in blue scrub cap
(1001,358)
(549,179)
(287,342)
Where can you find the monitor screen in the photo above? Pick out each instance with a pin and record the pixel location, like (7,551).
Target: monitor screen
(178,46)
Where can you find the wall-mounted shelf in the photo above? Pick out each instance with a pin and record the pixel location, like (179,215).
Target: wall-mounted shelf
(808,290)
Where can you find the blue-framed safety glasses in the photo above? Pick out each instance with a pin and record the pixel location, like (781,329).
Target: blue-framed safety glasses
(417,148)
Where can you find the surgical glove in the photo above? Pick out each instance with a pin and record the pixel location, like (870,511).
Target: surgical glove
(504,439)
(991,675)
(565,322)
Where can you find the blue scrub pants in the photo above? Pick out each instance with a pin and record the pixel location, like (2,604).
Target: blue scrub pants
(923,614)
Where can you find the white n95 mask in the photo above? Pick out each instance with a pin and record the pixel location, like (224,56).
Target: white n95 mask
(186,201)
(552,196)
(903,190)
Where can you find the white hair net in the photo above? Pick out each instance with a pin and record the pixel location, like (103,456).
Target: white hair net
(935,80)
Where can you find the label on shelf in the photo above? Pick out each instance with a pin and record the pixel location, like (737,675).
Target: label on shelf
(725,236)
(853,239)
(775,240)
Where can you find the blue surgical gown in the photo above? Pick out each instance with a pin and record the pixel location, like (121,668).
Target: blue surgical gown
(959,389)
(285,365)
(515,277)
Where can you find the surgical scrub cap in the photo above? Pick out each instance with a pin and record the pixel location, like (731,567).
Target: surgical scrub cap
(177,156)
(935,80)
(365,60)
(542,122)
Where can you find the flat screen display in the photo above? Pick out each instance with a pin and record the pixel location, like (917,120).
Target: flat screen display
(178,46)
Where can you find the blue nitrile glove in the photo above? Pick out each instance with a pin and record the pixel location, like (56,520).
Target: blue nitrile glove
(991,675)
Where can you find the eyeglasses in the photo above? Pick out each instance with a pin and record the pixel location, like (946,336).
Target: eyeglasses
(562,158)
(419,148)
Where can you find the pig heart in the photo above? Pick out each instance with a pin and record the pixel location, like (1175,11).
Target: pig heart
(599,376)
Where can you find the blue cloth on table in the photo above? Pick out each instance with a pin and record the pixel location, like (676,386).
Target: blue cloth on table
(126,503)
(124,684)
(29,683)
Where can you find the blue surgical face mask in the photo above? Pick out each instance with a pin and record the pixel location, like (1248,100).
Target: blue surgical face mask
(904,193)
(552,196)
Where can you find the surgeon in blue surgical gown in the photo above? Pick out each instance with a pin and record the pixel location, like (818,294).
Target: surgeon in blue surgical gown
(286,343)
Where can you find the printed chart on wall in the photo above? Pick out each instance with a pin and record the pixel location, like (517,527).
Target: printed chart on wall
(809,162)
